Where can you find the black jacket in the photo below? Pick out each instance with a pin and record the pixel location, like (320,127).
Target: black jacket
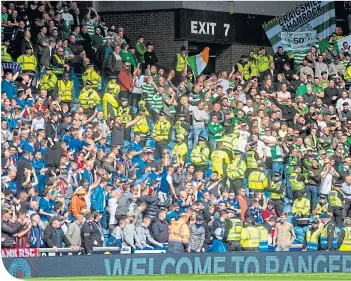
(23,164)
(153,203)
(280,60)
(160,230)
(150,58)
(87,237)
(8,229)
(50,237)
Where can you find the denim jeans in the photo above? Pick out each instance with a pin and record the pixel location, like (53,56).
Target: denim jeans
(312,195)
(212,145)
(197,133)
(278,167)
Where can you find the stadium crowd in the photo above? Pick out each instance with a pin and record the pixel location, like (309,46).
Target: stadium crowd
(151,157)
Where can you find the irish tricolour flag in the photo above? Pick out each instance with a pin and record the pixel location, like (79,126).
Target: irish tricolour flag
(198,63)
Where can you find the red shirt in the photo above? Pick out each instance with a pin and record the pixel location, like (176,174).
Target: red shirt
(126,80)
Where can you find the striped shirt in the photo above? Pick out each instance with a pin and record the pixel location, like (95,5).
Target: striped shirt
(148,91)
(156,102)
(106,38)
(91,26)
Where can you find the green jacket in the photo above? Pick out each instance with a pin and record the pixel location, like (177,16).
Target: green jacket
(127,56)
(140,50)
(215,131)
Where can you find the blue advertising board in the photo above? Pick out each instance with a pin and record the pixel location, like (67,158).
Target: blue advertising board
(190,263)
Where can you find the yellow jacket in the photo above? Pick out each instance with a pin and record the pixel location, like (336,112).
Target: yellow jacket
(109,105)
(48,82)
(179,231)
(250,238)
(161,130)
(93,76)
(113,88)
(27,62)
(219,158)
(180,151)
(88,99)
(65,90)
(236,169)
(142,126)
(301,207)
(199,155)
(257,181)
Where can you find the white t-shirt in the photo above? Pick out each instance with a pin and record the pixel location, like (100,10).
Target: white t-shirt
(244,135)
(67,17)
(326,183)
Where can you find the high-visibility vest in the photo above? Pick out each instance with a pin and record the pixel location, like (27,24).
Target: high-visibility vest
(236,169)
(113,88)
(312,240)
(275,195)
(346,243)
(199,155)
(161,130)
(263,246)
(181,61)
(301,206)
(141,127)
(254,67)
(182,150)
(294,183)
(123,112)
(257,181)
(263,62)
(58,69)
(227,141)
(322,209)
(347,74)
(27,63)
(251,162)
(324,238)
(245,70)
(334,200)
(109,105)
(235,231)
(65,90)
(88,99)
(179,231)
(250,238)
(93,76)
(48,82)
(179,130)
(5,56)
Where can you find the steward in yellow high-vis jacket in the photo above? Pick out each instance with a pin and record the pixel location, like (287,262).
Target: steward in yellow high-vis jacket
(91,75)
(250,236)
(161,134)
(5,56)
(28,61)
(344,239)
(109,104)
(257,181)
(48,81)
(200,154)
(220,160)
(114,88)
(236,172)
(180,150)
(89,99)
(142,126)
(233,227)
(125,111)
(65,89)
